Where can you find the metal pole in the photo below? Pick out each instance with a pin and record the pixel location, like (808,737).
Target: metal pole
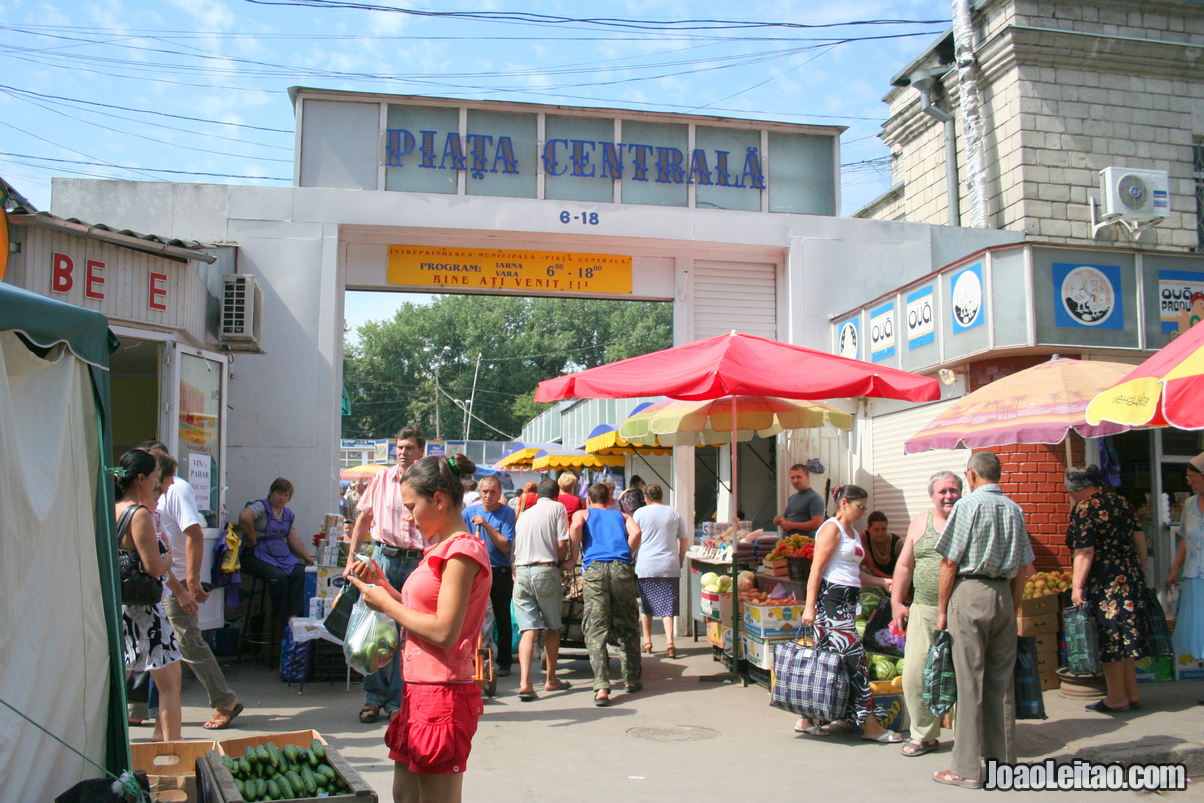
(438,427)
(472,398)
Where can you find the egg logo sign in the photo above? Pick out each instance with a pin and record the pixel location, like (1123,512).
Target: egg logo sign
(967,298)
(1087,295)
(921,318)
(846,340)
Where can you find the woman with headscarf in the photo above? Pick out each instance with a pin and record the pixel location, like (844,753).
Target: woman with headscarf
(1108,551)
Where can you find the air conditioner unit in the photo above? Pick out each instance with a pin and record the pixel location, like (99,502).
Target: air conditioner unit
(242,303)
(1134,194)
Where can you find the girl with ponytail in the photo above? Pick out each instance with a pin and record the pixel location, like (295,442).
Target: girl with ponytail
(441,608)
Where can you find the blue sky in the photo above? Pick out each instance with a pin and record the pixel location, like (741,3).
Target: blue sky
(214,74)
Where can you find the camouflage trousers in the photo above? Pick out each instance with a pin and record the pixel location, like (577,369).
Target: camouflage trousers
(611,614)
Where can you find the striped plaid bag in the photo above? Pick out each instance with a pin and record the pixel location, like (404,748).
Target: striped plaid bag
(940,684)
(809,682)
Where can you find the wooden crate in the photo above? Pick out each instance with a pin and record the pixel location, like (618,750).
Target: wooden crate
(170,768)
(1039,606)
(1044,625)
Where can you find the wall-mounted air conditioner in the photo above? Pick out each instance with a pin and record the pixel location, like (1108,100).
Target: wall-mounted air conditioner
(242,306)
(1127,192)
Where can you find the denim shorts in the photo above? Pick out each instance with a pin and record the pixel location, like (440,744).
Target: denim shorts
(538,596)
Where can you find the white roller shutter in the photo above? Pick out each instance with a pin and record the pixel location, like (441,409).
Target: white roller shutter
(901,480)
(735,295)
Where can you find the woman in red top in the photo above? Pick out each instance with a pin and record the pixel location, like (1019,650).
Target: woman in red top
(442,608)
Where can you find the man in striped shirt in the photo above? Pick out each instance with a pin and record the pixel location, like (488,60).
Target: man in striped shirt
(987,557)
(399,547)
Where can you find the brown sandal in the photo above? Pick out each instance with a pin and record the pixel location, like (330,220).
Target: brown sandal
(222,719)
(369,713)
(671,651)
(646,647)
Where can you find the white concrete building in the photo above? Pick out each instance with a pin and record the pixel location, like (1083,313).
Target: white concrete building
(731,220)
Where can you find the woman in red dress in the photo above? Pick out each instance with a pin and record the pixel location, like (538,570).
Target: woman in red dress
(441,607)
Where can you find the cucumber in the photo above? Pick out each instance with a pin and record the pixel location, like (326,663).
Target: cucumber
(326,771)
(294,779)
(274,754)
(286,787)
(244,767)
(313,758)
(230,765)
(318,749)
(307,777)
(242,790)
(290,753)
(264,756)
(261,789)
(273,790)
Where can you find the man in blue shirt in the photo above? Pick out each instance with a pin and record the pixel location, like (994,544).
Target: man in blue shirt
(493,522)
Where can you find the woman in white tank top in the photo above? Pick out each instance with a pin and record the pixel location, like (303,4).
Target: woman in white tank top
(832,592)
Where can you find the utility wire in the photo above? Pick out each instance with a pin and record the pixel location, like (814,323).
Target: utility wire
(126,167)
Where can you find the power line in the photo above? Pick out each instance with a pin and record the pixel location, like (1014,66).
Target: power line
(127,167)
(147,111)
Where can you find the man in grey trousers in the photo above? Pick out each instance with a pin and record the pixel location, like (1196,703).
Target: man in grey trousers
(987,557)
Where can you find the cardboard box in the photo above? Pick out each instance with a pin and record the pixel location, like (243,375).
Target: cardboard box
(1047,661)
(716,605)
(760,652)
(1043,625)
(1039,606)
(896,711)
(1051,681)
(216,784)
(1189,668)
(1155,670)
(773,621)
(715,634)
(330,581)
(170,767)
(1047,643)
(236,747)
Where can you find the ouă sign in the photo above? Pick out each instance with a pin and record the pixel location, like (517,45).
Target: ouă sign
(508,270)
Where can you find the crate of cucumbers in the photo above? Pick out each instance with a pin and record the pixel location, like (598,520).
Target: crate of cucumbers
(283,766)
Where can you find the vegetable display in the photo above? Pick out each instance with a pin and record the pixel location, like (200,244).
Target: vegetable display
(269,772)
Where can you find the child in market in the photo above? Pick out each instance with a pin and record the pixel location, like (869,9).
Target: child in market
(442,609)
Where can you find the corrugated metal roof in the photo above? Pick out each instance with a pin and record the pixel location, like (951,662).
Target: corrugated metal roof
(191,250)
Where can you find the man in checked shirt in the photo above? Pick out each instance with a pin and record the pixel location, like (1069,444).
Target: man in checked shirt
(399,547)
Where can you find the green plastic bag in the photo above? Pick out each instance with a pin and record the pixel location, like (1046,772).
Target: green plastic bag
(940,683)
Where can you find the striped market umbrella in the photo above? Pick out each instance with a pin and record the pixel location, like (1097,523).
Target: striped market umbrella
(519,458)
(570,459)
(605,439)
(1037,405)
(711,423)
(1163,391)
(363,472)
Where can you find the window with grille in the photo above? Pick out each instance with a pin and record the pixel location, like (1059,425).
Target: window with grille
(1197,153)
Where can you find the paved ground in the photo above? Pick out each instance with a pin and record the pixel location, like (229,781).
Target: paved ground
(680,739)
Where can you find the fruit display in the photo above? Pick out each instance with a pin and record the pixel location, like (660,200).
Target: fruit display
(793,546)
(755,596)
(1042,584)
(269,772)
(716,583)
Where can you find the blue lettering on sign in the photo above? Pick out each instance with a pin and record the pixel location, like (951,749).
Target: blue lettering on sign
(580,158)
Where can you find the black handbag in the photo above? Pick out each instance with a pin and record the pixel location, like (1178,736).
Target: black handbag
(137,587)
(1030,702)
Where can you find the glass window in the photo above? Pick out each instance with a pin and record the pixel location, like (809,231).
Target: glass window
(802,176)
(719,159)
(654,164)
(200,431)
(499,149)
(580,159)
(416,155)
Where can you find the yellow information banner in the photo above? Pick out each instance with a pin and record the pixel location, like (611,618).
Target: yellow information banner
(507,270)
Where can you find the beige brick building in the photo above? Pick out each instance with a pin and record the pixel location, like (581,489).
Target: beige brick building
(1067,89)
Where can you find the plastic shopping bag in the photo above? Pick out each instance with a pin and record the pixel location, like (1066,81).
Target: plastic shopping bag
(1159,632)
(372,639)
(1030,703)
(1082,640)
(940,682)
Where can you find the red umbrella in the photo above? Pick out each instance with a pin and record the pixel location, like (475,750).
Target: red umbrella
(739,364)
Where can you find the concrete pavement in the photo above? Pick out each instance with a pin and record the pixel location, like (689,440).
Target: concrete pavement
(680,739)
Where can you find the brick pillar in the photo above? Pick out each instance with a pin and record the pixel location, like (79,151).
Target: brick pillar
(1033,474)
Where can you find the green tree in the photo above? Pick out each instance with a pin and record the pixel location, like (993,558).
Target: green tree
(390,375)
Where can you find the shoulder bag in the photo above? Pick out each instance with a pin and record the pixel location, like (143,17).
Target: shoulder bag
(137,587)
